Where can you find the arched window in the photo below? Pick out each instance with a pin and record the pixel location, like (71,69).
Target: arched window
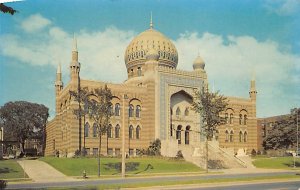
(226,117)
(245,119)
(86,129)
(186,112)
(178,112)
(231,136)
(131,110)
(245,136)
(138,111)
(109,131)
(231,118)
(241,136)
(139,71)
(111,109)
(138,130)
(117,131)
(130,132)
(226,136)
(94,130)
(241,119)
(178,134)
(187,135)
(117,109)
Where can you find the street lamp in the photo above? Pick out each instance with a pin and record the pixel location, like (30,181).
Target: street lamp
(123,136)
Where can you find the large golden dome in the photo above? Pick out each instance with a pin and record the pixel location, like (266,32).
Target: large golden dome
(136,51)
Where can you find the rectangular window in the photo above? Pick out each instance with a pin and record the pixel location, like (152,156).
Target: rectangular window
(87,151)
(130,152)
(117,152)
(95,151)
(110,151)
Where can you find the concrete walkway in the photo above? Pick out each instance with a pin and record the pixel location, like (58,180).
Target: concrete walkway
(40,171)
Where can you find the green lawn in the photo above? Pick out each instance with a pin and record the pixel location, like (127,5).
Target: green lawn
(276,162)
(10,169)
(147,165)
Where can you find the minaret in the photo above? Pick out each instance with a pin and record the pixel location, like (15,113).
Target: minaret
(74,65)
(252,91)
(58,85)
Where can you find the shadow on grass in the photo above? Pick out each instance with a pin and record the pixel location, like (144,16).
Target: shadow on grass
(130,166)
(149,167)
(291,164)
(7,170)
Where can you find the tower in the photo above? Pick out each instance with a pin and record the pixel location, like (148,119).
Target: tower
(252,94)
(74,65)
(58,85)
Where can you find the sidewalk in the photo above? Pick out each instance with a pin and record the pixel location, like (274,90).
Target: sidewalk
(40,171)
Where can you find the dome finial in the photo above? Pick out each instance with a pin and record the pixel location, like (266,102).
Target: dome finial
(151,23)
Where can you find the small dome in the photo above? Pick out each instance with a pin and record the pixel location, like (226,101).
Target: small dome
(152,54)
(199,63)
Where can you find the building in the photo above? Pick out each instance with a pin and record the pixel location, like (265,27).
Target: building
(154,102)
(265,125)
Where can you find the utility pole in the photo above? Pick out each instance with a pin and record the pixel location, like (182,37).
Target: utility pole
(123,137)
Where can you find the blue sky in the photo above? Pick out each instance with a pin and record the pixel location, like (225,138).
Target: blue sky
(235,38)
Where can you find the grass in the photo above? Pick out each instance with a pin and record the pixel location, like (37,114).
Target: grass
(184,182)
(144,166)
(10,169)
(276,163)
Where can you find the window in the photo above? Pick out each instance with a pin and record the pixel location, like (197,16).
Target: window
(109,131)
(94,130)
(186,112)
(131,110)
(241,136)
(226,136)
(138,130)
(226,117)
(245,119)
(178,134)
(178,112)
(130,151)
(231,118)
(117,152)
(117,110)
(171,130)
(241,119)
(111,110)
(217,135)
(131,132)
(117,131)
(86,129)
(87,151)
(138,111)
(245,136)
(231,136)
(187,135)
(110,151)
(139,71)
(95,151)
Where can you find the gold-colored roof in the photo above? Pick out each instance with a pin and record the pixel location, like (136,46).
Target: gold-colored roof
(151,39)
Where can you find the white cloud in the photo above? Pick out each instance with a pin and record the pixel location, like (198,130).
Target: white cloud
(283,7)
(230,60)
(35,23)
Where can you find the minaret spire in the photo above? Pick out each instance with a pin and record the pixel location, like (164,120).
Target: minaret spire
(74,43)
(151,22)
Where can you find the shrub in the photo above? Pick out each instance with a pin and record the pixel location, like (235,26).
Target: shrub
(258,152)
(154,148)
(253,152)
(179,155)
(2,184)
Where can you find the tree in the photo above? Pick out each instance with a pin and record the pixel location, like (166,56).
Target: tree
(283,133)
(24,120)
(81,96)
(209,105)
(99,110)
(6,9)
